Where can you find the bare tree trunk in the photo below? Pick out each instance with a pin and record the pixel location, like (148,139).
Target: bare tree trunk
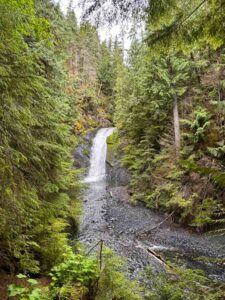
(99,91)
(176,122)
(195,68)
(176,119)
(76,62)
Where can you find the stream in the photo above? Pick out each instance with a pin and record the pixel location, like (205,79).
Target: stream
(125,227)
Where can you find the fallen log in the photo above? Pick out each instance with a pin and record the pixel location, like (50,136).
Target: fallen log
(158,256)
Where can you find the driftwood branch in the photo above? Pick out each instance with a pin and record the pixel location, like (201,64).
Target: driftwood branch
(101,243)
(96,285)
(20,76)
(92,248)
(148,231)
(158,256)
(109,163)
(100,254)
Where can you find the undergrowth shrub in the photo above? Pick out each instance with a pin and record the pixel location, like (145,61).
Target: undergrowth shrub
(76,275)
(180,283)
(80,277)
(29,290)
(113,283)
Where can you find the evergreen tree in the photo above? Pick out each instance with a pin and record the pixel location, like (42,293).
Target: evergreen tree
(185,24)
(153,96)
(105,69)
(35,173)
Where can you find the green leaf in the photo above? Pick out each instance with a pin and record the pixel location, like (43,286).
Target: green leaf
(35,295)
(15,290)
(21,276)
(32,281)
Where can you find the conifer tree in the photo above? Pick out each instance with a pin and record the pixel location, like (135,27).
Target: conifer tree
(35,155)
(184,25)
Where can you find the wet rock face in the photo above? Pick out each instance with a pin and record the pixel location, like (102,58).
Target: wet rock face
(116,174)
(82,152)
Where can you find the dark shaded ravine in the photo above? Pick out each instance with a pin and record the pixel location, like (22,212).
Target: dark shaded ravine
(123,226)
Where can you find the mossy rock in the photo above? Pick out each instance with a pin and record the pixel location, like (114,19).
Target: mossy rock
(113,148)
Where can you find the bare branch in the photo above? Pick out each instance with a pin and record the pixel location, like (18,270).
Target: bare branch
(112,11)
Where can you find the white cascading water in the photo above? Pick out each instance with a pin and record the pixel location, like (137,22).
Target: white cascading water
(95,198)
(97,171)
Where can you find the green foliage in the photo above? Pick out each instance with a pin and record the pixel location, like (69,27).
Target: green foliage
(75,273)
(185,25)
(198,126)
(56,76)
(183,284)
(204,213)
(79,275)
(113,283)
(113,148)
(146,90)
(105,70)
(74,269)
(47,62)
(28,291)
(36,177)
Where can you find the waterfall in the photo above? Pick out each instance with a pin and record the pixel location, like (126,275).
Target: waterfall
(97,171)
(95,198)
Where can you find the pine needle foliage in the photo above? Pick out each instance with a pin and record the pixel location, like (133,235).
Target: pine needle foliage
(192,186)
(35,137)
(184,25)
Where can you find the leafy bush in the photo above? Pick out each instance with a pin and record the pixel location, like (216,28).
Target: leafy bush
(27,291)
(80,276)
(76,272)
(113,283)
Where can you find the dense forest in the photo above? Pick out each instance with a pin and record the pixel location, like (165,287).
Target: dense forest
(165,96)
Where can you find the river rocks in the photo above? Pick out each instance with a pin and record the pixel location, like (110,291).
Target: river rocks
(108,216)
(127,222)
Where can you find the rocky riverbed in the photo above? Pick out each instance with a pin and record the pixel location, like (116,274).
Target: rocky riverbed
(143,237)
